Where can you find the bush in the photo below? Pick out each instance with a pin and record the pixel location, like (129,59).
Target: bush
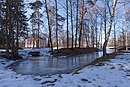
(36,53)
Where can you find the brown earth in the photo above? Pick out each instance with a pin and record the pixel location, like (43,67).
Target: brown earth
(73,51)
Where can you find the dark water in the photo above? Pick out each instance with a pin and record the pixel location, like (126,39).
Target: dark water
(53,65)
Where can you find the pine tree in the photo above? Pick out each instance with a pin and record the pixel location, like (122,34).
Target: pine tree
(13,25)
(36,17)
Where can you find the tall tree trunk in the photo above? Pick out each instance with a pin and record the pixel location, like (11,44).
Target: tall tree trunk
(123,35)
(126,26)
(67,24)
(92,27)
(11,34)
(105,44)
(77,12)
(6,30)
(72,23)
(115,36)
(56,26)
(109,27)
(100,37)
(38,29)
(49,26)
(17,29)
(81,23)
(96,31)
(33,36)
(88,39)
(105,20)
(92,36)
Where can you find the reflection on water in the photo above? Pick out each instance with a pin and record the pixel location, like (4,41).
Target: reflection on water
(52,65)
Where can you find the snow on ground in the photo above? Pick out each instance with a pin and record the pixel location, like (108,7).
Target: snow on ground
(127,51)
(9,78)
(43,51)
(112,73)
(24,52)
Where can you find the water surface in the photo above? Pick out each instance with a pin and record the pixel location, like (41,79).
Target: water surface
(54,65)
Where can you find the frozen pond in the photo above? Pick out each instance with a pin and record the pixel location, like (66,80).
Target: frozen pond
(53,65)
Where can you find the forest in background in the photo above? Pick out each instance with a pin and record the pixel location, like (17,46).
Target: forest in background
(83,23)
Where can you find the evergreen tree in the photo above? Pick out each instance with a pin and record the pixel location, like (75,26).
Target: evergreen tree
(13,24)
(35,19)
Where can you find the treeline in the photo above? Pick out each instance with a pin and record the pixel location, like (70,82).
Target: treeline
(77,27)
(13,25)
(81,25)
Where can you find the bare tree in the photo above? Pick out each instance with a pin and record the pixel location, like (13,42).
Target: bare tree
(56,25)
(67,24)
(77,14)
(114,36)
(109,27)
(81,21)
(71,22)
(49,26)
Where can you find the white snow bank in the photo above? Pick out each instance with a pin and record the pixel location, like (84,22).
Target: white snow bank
(24,52)
(43,52)
(112,73)
(9,78)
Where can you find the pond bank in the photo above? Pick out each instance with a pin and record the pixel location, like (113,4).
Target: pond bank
(97,61)
(73,51)
(45,65)
(112,73)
